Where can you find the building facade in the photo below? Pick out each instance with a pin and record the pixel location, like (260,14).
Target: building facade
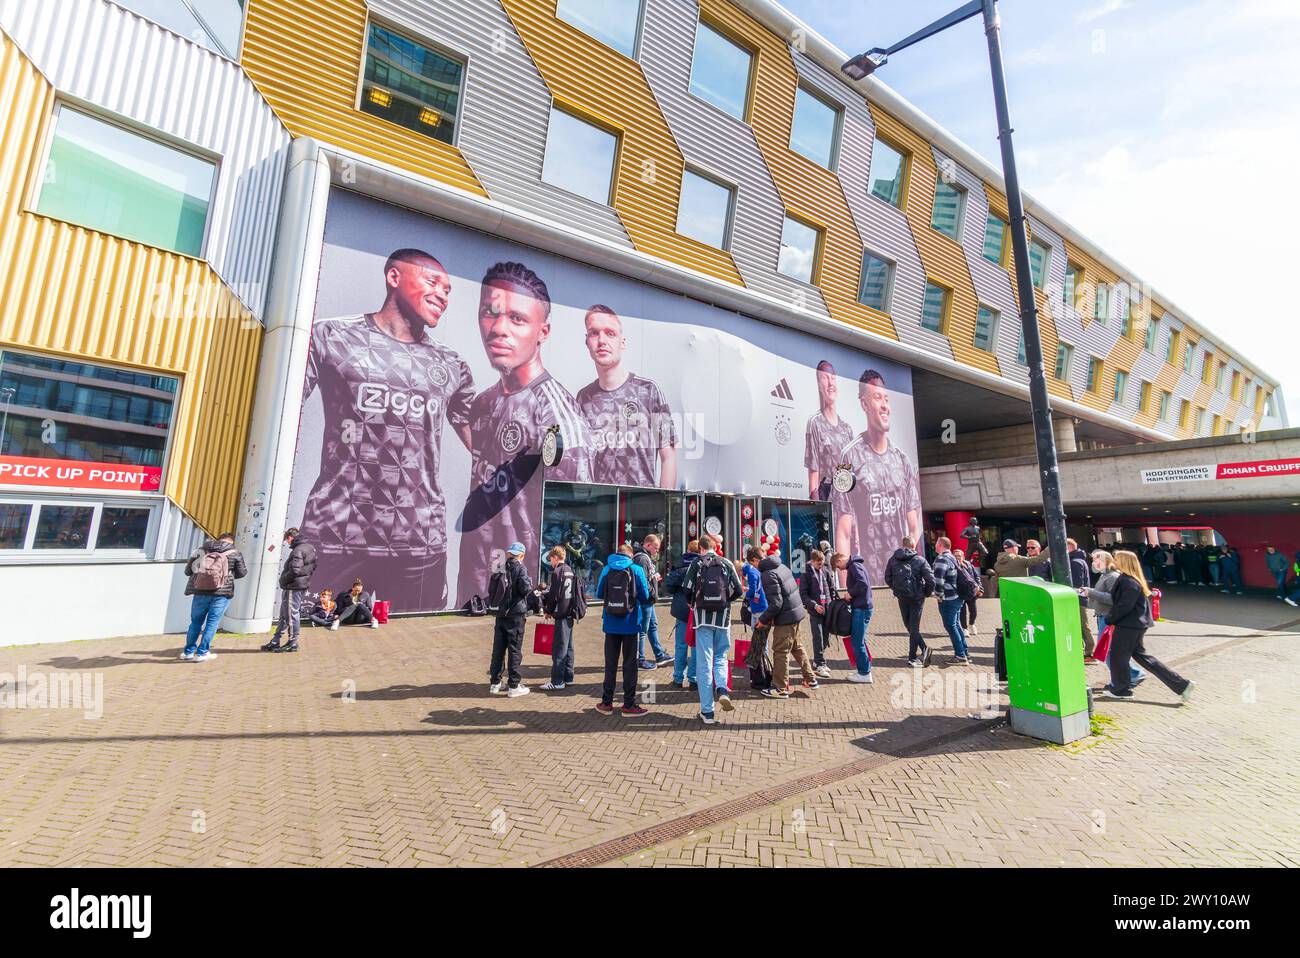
(704,236)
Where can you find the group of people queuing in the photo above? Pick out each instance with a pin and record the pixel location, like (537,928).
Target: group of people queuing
(213,568)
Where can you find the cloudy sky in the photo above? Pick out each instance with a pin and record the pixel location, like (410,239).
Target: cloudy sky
(1167,132)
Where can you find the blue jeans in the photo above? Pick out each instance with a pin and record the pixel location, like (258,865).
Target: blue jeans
(858,639)
(711,669)
(650,623)
(1134,673)
(1280,578)
(205,615)
(683,655)
(950,613)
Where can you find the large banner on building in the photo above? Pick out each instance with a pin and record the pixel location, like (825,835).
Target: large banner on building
(442,357)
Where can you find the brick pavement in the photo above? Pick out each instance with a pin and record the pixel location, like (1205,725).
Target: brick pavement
(268,760)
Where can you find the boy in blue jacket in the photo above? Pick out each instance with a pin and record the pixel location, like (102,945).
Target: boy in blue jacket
(626,593)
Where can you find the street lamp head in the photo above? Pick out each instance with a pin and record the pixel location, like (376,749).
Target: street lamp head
(865,64)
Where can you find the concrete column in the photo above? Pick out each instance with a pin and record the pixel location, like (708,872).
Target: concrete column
(1066,441)
(273,434)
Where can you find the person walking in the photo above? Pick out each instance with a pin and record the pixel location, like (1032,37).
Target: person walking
(508,591)
(816,591)
(911,580)
(560,605)
(1100,597)
(785,615)
(946,570)
(212,569)
(646,556)
(623,587)
(969,607)
(675,585)
(295,579)
(858,582)
(713,586)
(1130,615)
(1277,564)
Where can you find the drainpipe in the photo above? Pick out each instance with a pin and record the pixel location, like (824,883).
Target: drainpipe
(277,406)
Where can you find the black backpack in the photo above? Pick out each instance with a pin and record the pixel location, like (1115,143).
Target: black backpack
(906,583)
(579,608)
(713,591)
(476,606)
(839,617)
(967,586)
(618,592)
(499,592)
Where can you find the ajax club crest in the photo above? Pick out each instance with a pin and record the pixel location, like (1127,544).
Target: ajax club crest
(510,437)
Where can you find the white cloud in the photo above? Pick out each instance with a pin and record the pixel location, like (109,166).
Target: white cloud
(1104,9)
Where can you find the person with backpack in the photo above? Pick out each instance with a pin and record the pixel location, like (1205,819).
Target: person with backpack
(713,586)
(858,583)
(785,616)
(911,580)
(212,570)
(623,587)
(969,606)
(816,591)
(754,605)
(646,556)
(564,604)
(947,575)
(675,586)
(507,599)
(1130,615)
(295,579)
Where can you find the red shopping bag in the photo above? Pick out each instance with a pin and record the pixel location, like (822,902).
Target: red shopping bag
(544,638)
(380,611)
(1103,643)
(690,632)
(742,650)
(848,647)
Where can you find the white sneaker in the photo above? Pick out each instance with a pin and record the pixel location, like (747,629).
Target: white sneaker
(494,688)
(856,676)
(1289,601)
(1187,692)
(917,664)
(374,623)
(517,691)
(973,630)
(334,626)
(204,656)
(551,687)
(188,656)
(823,671)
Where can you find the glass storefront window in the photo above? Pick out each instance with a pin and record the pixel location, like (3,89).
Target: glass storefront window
(583,519)
(14,517)
(645,512)
(63,527)
(122,528)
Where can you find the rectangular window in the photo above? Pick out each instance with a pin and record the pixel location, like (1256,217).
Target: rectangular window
(720,71)
(65,528)
(579,157)
(1188,351)
(1218,376)
(1198,421)
(215,24)
(1216,425)
(1171,348)
(1144,397)
(888,171)
(1126,325)
(704,209)
(1152,335)
(613,22)
(1040,256)
(1121,385)
(995,239)
(105,177)
(1207,368)
(949,207)
(1073,285)
(1064,360)
(934,308)
(1020,351)
(1094,375)
(1184,413)
(14,517)
(77,414)
(411,84)
(877,282)
(799,243)
(1236,386)
(1163,414)
(986,328)
(816,128)
(1101,303)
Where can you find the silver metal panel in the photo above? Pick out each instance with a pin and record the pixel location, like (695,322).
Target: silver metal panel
(716,143)
(99,53)
(506,109)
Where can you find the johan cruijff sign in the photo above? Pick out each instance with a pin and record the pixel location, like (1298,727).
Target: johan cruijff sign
(446,366)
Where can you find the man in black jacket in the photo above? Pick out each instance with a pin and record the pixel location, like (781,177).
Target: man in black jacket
(646,556)
(675,586)
(560,605)
(911,580)
(508,634)
(295,579)
(212,571)
(785,614)
(816,591)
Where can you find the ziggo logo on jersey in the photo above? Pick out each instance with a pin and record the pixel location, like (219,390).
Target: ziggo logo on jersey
(883,504)
(378,398)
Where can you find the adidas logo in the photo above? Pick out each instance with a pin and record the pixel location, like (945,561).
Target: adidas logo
(782,391)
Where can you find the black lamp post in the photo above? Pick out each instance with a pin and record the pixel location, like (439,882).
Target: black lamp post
(1040,401)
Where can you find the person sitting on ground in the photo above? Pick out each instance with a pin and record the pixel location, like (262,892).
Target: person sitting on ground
(356,608)
(324,609)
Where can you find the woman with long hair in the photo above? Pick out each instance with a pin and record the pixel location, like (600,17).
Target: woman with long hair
(1130,615)
(1101,597)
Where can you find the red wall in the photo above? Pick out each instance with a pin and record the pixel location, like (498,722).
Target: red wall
(1251,533)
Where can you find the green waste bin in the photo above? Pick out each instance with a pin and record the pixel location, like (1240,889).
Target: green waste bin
(1042,635)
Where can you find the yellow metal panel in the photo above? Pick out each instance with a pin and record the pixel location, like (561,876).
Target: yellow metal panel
(85,295)
(587,76)
(943,260)
(809,192)
(305,57)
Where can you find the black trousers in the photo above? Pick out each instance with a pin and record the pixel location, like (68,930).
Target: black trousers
(911,610)
(1126,644)
(820,640)
(508,636)
(968,607)
(562,652)
(614,646)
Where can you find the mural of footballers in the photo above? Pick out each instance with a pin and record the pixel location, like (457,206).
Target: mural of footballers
(825,436)
(508,421)
(627,418)
(376,510)
(885,502)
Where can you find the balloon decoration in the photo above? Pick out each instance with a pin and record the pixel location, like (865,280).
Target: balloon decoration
(770,544)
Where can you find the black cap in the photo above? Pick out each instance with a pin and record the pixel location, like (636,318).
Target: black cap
(1008,543)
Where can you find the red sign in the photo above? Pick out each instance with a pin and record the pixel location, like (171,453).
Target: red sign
(1254,470)
(75,474)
